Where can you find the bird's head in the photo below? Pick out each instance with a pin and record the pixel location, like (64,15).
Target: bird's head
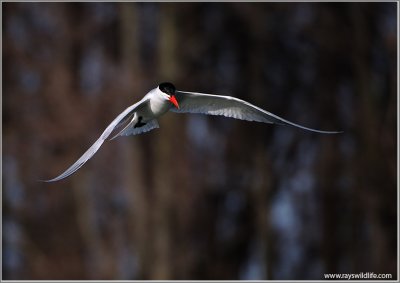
(169,90)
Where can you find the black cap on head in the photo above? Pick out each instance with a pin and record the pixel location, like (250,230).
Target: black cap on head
(167,88)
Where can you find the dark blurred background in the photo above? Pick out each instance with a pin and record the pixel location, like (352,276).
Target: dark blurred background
(202,197)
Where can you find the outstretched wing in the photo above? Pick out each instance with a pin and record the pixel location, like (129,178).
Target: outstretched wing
(95,147)
(228,106)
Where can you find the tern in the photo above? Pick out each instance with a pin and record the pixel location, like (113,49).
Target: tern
(142,116)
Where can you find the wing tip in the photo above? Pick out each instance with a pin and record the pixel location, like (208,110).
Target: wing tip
(46,181)
(51,180)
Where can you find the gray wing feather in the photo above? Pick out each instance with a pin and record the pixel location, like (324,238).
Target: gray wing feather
(228,106)
(95,147)
(131,130)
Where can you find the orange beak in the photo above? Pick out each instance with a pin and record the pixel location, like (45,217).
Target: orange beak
(174,101)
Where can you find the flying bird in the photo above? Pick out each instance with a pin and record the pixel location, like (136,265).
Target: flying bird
(142,116)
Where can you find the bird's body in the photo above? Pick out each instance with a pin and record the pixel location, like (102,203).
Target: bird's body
(157,104)
(142,116)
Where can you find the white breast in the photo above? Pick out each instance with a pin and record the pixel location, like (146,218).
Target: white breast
(158,103)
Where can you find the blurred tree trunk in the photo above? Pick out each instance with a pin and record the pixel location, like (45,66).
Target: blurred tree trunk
(95,256)
(165,148)
(262,186)
(371,161)
(263,178)
(327,174)
(134,163)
